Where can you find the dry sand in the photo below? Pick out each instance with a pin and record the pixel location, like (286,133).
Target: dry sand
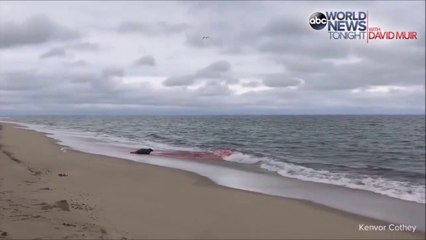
(104,197)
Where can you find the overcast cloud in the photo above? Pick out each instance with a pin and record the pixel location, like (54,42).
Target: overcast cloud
(205,58)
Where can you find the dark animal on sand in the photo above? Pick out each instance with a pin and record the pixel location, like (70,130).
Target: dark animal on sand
(146,151)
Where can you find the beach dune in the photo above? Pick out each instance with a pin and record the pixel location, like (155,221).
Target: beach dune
(103,197)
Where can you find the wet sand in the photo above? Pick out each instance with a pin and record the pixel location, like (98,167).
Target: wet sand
(103,197)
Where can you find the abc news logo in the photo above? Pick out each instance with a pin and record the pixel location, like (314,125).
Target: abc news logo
(318,21)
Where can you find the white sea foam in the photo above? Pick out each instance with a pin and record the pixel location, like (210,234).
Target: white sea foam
(396,189)
(242,158)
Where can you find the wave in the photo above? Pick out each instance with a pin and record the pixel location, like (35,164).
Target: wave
(397,189)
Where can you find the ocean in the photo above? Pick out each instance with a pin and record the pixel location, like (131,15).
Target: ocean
(384,155)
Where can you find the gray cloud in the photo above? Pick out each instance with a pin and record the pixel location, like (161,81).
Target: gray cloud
(214,89)
(214,70)
(280,80)
(323,64)
(64,87)
(22,81)
(219,70)
(77,63)
(146,60)
(286,36)
(180,81)
(251,84)
(151,28)
(278,36)
(55,52)
(272,61)
(84,46)
(112,71)
(64,50)
(66,90)
(35,30)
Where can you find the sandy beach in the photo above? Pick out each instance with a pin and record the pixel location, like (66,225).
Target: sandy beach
(104,197)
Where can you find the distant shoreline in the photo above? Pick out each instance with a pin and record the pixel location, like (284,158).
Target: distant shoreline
(211,115)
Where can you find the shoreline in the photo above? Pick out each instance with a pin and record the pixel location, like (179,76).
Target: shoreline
(124,175)
(229,175)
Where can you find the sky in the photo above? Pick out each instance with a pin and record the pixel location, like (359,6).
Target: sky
(206,58)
